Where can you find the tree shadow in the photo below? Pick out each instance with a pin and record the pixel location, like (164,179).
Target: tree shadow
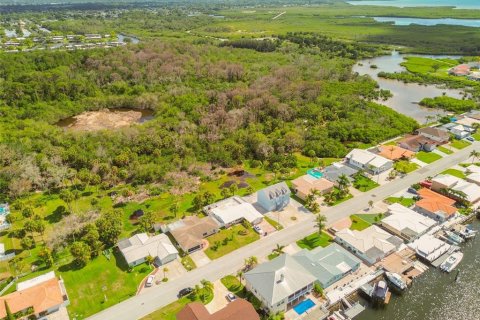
(56,215)
(72,266)
(119,260)
(87,193)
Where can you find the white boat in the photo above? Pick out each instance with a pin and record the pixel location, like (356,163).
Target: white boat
(452,261)
(454,237)
(396,280)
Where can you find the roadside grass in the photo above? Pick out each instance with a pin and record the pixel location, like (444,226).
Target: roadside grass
(236,287)
(444,150)
(274,223)
(358,223)
(315,240)
(363,183)
(371,218)
(455,173)
(406,202)
(272,255)
(341,199)
(428,157)
(228,240)
(459,144)
(188,263)
(476,136)
(405,166)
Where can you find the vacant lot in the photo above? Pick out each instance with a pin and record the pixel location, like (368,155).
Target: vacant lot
(228,240)
(363,183)
(455,172)
(315,240)
(428,157)
(358,223)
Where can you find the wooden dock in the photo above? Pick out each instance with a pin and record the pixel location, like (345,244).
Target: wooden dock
(387,297)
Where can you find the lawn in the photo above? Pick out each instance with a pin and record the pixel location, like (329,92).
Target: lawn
(459,144)
(476,136)
(363,183)
(358,223)
(406,202)
(273,222)
(315,240)
(444,150)
(340,200)
(272,255)
(235,286)
(228,240)
(428,157)
(371,218)
(405,166)
(188,263)
(455,173)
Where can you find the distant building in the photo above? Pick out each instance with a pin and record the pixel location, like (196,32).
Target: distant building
(368,161)
(438,135)
(417,143)
(444,183)
(305,184)
(337,169)
(233,210)
(137,248)
(395,153)
(275,197)
(238,309)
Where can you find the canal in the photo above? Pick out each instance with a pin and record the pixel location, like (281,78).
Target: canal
(436,296)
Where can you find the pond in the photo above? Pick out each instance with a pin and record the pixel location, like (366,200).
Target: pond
(121,38)
(105,119)
(459,4)
(429,22)
(406,96)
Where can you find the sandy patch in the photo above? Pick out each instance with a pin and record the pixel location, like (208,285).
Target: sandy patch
(104,119)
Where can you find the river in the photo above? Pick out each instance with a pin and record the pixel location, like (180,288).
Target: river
(429,22)
(405,95)
(436,296)
(459,4)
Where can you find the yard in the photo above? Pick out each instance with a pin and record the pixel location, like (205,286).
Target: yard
(428,157)
(476,136)
(315,240)
(444,150)
(358,223)
(235,286)
(405,166)
(371,218)
(228,240)
(363,183)
(406,202)
(455,173)
(459,144)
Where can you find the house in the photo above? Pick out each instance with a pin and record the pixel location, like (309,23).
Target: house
(417,143)
(406,223)
(43,297)
(454,186)
(474,178)
(472,169)
(190,235)
(460,70)
(469,120)
(435,205)
(429,248)
(238,309)
(275,197)
(337,169)
(460,131)
(233,210)
(329,264)
(440,136)
(136,249)
(395,152)
(371,244)
(370,162)
(304,185)
(279,283)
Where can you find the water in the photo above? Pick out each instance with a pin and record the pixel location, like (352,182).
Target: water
(315,173)
(303,306)
(429,22)
(436,296)
(406,96)
(121,38)
(459,4)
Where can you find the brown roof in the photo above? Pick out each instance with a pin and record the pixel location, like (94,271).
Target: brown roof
(191,234)
(414,141)
(434,202)
(440,133)
(475,116)
(41,297)
(306,183)
(395,152)
(239,309)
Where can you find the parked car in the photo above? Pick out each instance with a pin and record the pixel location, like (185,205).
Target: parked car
(231,297)
(258,230)
(184,292)
(412,190)
(149,282)
(470,139)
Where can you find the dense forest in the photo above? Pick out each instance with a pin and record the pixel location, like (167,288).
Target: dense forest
(212,105)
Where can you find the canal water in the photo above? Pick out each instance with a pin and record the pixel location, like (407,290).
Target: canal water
(406,96)
(429,22)
(459,4)
(436,296)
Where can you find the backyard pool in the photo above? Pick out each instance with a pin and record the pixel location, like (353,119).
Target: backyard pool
(317,174)
(3,209)
(303,306)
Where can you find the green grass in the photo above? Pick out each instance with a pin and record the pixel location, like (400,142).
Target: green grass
(358,223)
(272,255)
(363,183)
(406,202)
(459,144)
(340,200)
(233,285)
(405,166)
(371,218)
(315,240)
(224,246)
(273,222)
(428,157)
(455,173)
(188,263)
(444,150)
(476,136)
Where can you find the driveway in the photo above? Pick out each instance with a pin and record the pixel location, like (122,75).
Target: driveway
(200,258)
(290,215)
(266,227)
(219,297)
(174,271)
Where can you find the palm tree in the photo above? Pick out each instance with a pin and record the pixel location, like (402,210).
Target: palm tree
(240,276)
(370,203)
(279,249)
(314,208)
(320,221)
(149,260)
(474,155)
(207,287)
(165,270)
(343,182)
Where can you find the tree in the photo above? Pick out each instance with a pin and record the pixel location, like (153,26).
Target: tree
(314,208)
(278,249)
(174,209)
(27,212)
(197,202)
(208,198)
(474,155)
(149,260)
(225,193)
(27,243)
(320,221)
(46,256)
(370,203)
(110,227)
(233,189)
(165,270)
(240,276)
(10,316)
(68,197)
(146,222)
(250,190)
(81,253)
(207,288)
(343,182)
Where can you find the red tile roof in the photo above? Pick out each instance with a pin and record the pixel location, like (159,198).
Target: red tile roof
(434,202)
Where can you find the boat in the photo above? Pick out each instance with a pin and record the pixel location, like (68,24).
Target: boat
(396,280)
(454,237)
(381,294)
(452,261)
(466,232)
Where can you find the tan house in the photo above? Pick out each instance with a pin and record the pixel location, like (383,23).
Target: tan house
(395,152)
(190,236)
(304,185)
(438,135)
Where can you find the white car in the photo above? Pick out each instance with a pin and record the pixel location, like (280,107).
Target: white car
(231,297)
(258,230)
(149,281)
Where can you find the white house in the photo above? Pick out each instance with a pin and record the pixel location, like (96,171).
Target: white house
(406,223)
(232,211)
(368,161)
(137,248)
(429,248)
(448,182)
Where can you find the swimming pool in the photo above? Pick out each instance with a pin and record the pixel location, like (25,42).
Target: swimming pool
(315,173)
(303,306)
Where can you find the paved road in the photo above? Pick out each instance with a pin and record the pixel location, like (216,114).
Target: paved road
(144,304)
